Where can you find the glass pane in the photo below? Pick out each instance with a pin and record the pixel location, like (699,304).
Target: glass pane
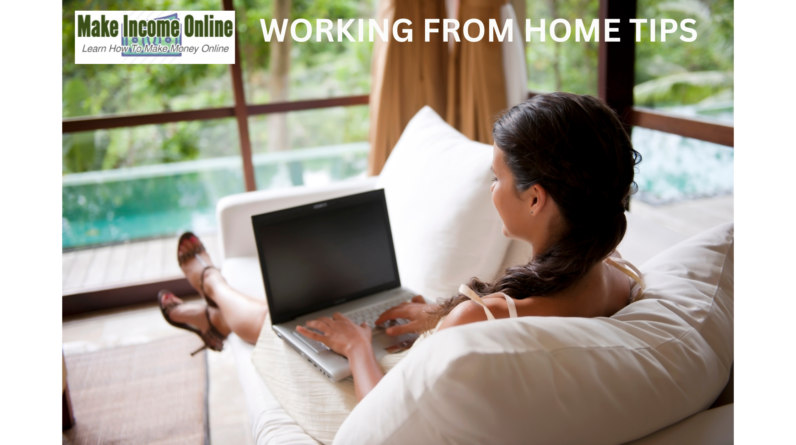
(148,181)
(90,90)
(675,168)
(687,78)
(562,66)
(313,69)
(312,147)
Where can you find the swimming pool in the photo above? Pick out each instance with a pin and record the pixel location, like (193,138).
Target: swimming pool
(113,206)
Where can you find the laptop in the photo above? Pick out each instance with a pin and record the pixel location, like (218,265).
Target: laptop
(326,257)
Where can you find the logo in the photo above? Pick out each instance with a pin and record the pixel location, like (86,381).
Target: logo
(165,43)
(154,37)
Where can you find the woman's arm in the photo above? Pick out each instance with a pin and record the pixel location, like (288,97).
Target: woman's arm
(344,337)
(365,369)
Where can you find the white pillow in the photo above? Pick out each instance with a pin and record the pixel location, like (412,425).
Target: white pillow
(445,228)
(569,380)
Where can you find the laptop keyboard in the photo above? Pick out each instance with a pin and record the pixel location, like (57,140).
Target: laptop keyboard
(366,315)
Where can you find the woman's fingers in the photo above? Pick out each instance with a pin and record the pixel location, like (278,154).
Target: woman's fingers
(315,324)
(337,316)
(392,314)
(418,299)
(311,335)
(412,326)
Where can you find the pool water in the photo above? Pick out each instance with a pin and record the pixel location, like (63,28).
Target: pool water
(674,168)
(146,202)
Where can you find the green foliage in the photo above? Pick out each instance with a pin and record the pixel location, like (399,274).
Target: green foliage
(667,73)
(318,69)
(80,152)
(562,66)
(674,72)
(683,88)
(124,89)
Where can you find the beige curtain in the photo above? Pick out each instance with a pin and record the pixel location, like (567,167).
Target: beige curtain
(406,76)
(476,82)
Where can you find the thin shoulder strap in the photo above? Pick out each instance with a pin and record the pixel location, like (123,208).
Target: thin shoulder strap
(512,306)
(628,269)
(473,296)
(464,289)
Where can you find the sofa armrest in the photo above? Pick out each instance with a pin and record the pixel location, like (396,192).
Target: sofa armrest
(234,212)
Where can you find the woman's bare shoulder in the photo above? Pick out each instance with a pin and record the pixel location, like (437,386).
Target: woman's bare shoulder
(465,313)
(471,312)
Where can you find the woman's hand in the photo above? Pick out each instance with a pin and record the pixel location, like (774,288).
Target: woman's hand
(415,311)
(340,334)
(344,337)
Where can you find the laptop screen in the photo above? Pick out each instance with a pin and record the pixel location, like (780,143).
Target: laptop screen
(324,254)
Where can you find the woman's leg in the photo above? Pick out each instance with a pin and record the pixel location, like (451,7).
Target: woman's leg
(243,314)
(194,314)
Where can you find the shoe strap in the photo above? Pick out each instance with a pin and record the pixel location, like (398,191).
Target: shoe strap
(212,336)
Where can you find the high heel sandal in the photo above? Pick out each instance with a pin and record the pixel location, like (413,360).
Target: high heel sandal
(212,338)
(197,249)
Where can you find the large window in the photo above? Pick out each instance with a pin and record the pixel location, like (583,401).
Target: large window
(304,118)
(137,182)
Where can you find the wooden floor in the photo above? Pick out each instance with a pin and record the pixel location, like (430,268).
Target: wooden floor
(688,217)
(126,264)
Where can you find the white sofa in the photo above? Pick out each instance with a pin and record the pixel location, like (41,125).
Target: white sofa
(270,422)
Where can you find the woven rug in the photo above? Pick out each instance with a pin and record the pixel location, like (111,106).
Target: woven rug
(153,393)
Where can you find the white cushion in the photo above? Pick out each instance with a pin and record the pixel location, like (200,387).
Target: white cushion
(711,427)
(569,380)
(271,424)
(444,225)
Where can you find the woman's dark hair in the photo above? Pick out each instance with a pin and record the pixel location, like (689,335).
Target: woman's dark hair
(577,149)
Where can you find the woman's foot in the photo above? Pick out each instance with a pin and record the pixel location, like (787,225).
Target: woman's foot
(197,266)
(205,321)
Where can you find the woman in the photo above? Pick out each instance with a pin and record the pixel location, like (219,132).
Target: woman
(564,169)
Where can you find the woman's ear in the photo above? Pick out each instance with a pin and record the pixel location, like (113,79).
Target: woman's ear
(535,198)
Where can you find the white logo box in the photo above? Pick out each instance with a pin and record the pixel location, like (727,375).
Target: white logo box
(154,37)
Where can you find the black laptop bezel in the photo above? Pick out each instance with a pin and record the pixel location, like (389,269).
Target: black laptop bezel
(262,221)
